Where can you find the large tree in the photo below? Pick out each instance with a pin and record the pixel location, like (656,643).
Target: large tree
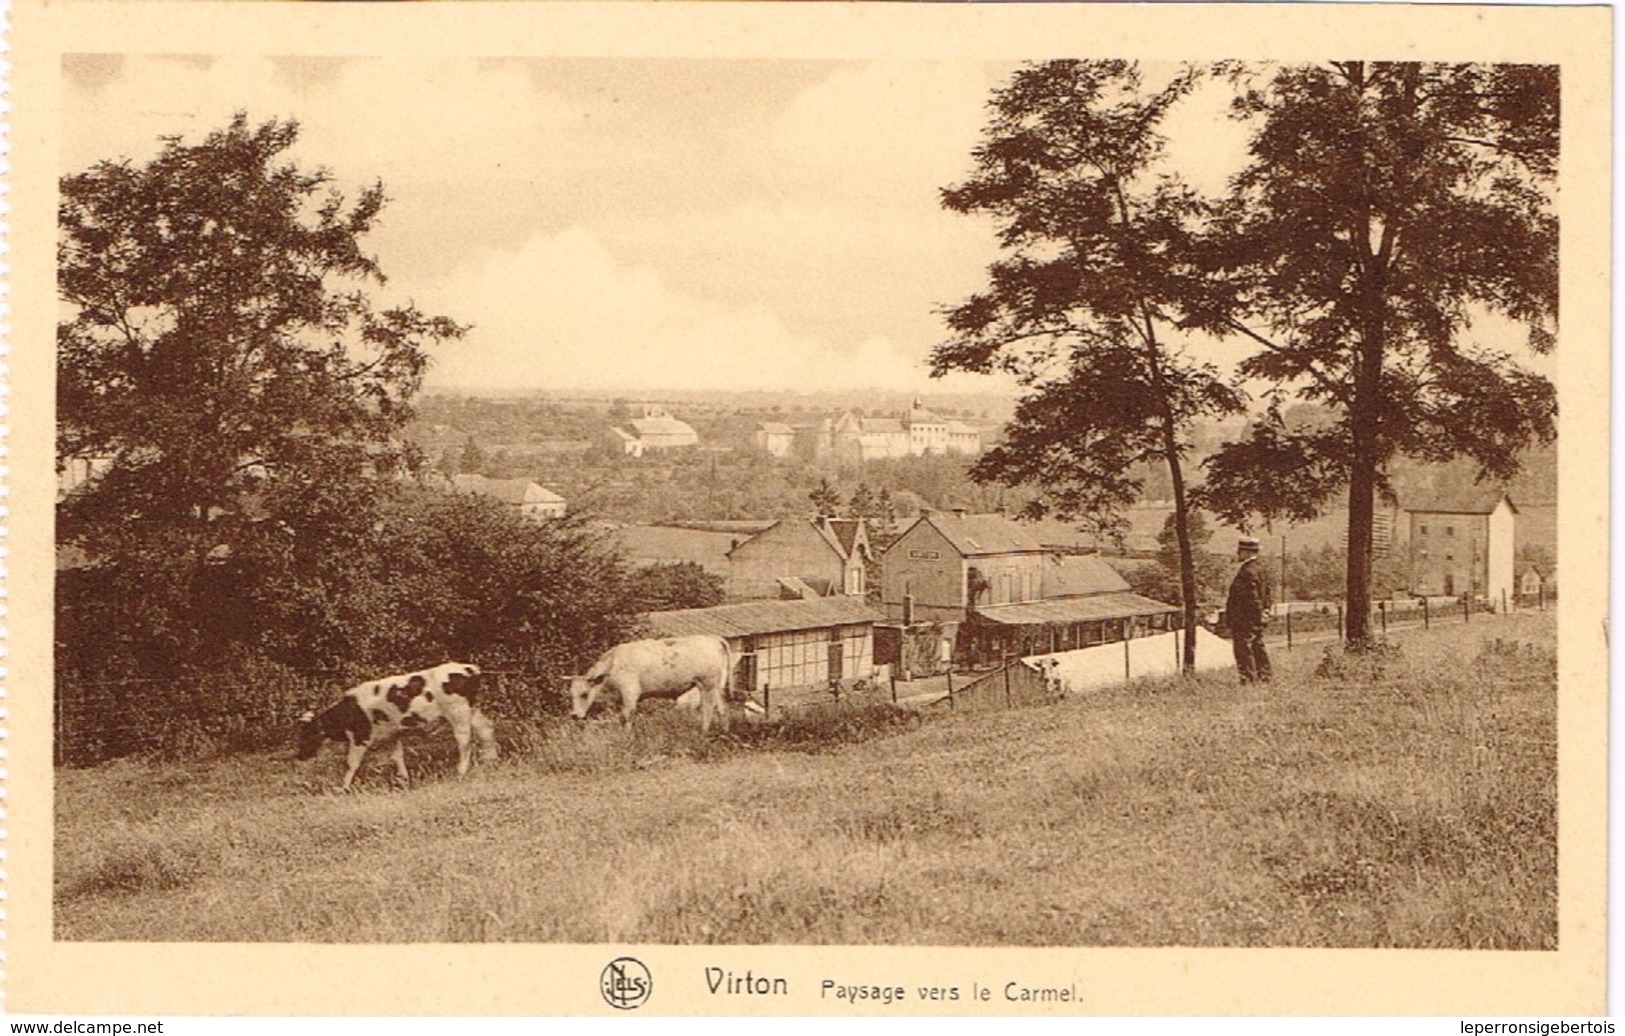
(1387,208)
(222,366)
(1085,305)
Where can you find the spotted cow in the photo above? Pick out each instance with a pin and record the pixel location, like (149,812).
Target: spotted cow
(376,713)
(668,668)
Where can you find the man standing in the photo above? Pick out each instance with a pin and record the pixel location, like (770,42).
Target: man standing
(1246,611)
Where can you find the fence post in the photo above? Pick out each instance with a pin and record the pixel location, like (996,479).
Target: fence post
(1125,658)
(1543,596)
(951,704)
(1466,610)
(1339,620)
(1426,619)
(767,700)
(1382,609)
(1007,683)
(891,676)
(1289,627)
(1504,609)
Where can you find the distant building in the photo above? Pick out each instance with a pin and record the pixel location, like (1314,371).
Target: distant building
(814,440)
(523,495)
(823,556)
(964,439)
(855,440)
(774,438)
(1462,543)
(918,433)
(1531,581)
(625,443)
(1004,593)
(927,433)
(658,430)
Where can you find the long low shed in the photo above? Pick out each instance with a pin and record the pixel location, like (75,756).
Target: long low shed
(1061,624)
(785,644)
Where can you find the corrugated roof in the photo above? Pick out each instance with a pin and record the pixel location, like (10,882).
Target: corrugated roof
(1080,576)
(753,617)
(983,533)
(1461,500)
(1073,609)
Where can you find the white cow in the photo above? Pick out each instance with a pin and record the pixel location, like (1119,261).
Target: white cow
(666,668)
(377,712)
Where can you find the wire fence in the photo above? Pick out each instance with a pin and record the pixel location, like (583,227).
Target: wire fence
(1401,614)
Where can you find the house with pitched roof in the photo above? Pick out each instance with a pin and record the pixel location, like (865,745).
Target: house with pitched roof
(1462,542)
(796,557)
(1003,593)
(657,430)
(774,438)
(521,494)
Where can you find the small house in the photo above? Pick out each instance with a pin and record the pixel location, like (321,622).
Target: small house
(526,497)
(1531,582)
(783,645)
(774,438)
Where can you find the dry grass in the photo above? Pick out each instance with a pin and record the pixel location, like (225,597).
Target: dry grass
(1416,807)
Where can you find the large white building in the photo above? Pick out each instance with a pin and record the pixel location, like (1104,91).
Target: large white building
(1462,543)
(920,432)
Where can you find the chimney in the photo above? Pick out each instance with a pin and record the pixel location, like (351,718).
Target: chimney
(960,511)
(908,609)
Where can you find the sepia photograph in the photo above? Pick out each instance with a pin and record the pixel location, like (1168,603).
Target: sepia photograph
(686,510)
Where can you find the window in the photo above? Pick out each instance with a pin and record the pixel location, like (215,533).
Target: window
(1424,530)
(1449,530)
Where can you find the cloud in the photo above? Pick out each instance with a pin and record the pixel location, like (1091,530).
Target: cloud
(587,241)
(423,121)
(564,313)
(889,127)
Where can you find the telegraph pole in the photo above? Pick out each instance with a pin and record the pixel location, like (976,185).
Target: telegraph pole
(1283,573)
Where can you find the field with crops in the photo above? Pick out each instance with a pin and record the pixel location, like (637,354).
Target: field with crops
(1409,800)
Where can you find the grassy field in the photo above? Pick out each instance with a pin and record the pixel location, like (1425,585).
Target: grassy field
(1411,807)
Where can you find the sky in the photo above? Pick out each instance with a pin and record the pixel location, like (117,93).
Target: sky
(602,224)
(618,224)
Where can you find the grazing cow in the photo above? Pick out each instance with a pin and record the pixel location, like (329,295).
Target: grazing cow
(666,668)
(377,712)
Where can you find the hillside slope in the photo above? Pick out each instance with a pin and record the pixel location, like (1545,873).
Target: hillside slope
(1416,809)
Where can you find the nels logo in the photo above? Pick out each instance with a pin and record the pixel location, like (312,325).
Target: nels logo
(625,983)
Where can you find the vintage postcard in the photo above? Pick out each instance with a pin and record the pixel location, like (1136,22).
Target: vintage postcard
(845,510)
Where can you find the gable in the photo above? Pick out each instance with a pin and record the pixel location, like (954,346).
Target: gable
(922,537)
(796,535)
